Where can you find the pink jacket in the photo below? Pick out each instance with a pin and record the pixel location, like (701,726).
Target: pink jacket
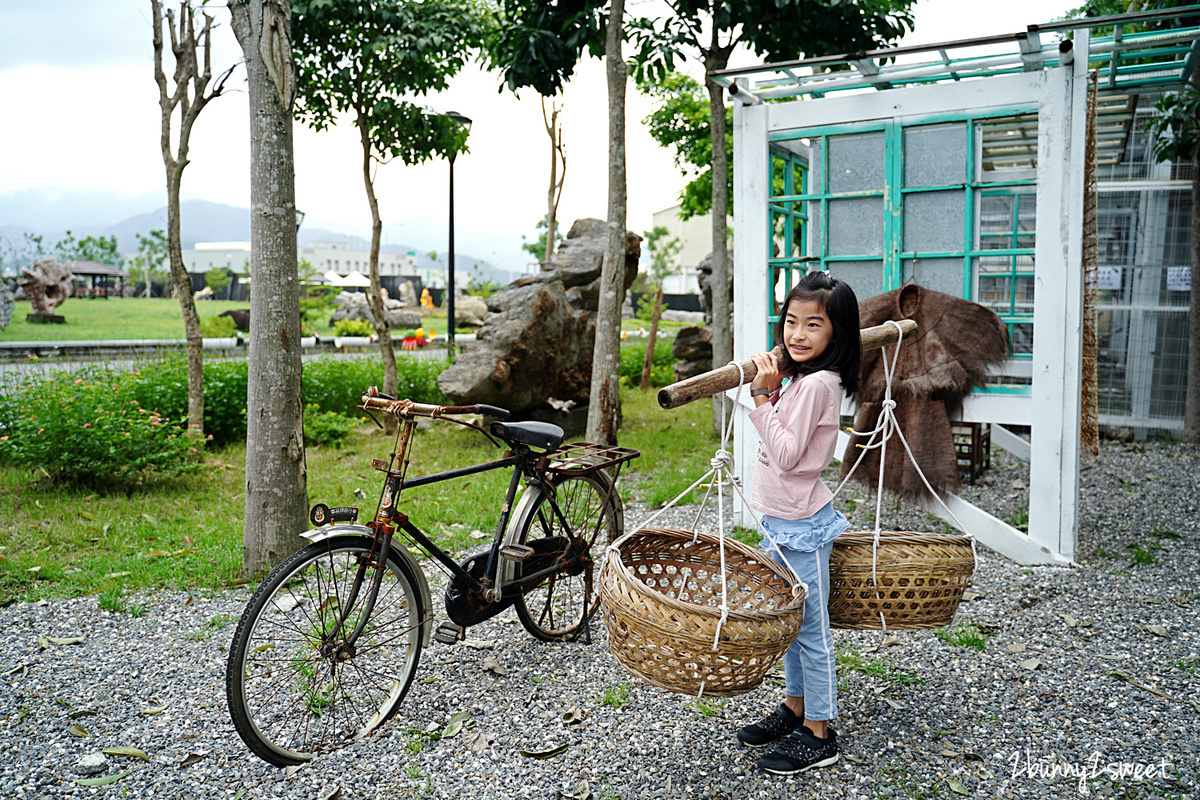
(798,429)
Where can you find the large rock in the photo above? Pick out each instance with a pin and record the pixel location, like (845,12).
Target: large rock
(538,333)
(704,279)
(354,305)
(693,350)
(537,347)
(470,310)
(47,284)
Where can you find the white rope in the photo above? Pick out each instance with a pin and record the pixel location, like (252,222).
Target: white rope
(885,426)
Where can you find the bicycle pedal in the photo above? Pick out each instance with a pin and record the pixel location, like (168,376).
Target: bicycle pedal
(448,633)
(516,552)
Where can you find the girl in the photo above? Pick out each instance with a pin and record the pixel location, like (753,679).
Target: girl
(798,423)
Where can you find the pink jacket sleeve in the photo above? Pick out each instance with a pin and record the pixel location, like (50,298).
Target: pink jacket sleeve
(786,435)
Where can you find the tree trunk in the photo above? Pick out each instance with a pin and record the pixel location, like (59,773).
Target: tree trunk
(554,193)
(375,299)
(187,304)
(648,361)
(604,408)
(276,474)
(1191,412)
(722,280)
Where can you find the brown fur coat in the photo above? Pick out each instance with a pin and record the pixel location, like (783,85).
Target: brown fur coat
(956,342)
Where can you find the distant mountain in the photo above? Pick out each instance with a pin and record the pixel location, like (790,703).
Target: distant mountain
(200,221)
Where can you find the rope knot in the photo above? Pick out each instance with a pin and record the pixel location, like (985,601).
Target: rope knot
(889,403)
(722,460)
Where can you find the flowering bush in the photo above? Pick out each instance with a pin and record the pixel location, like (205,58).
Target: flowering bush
(87,428)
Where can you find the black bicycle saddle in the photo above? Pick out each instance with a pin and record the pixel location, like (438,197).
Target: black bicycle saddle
(542,435)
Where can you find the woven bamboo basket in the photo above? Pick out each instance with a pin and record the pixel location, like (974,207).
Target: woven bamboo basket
(921,579)
(661,594)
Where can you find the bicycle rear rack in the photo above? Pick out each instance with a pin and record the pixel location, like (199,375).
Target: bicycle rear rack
(582,458)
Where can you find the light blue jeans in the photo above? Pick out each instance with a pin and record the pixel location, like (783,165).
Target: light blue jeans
(809,667)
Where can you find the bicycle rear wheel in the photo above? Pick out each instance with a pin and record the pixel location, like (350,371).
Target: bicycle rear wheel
(561,604)
(296,687)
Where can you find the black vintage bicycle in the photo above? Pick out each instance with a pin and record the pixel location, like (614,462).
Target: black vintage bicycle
(327,647)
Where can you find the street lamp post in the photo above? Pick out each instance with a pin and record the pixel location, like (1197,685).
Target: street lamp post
(466,123)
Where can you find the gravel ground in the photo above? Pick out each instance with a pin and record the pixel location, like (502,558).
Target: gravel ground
(1114,686)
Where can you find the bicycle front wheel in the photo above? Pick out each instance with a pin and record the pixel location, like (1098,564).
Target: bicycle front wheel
(297,686)
(560,605)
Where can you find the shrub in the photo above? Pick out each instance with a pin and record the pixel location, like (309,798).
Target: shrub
(353,327)
(218,328)
(162,385)
(661,367)
(337,384)
(325,427)
(87,428)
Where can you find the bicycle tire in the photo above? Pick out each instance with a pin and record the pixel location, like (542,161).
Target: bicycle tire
(561,605)
(293,692)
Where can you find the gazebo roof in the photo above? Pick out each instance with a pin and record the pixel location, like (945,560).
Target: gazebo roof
(85,267)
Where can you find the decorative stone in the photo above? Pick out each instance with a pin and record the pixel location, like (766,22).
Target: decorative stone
(92,764)
(539,332)
(704,279)
(470,310)
(47,284)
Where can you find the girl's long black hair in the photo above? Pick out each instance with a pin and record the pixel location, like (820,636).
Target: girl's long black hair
(834,297)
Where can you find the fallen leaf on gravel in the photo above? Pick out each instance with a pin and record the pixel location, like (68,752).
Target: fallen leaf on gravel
(456,723)
(78,730)
(551,753)
(1195,703)
(1029,663)
(572,715)
(132,752)
(479,644)
(1121,676)
(969,756)
(155,710)
(1158,630)
(64,640)
(476,741)
(78,714)
(1016,647)
(1108,657)
(970,595)
(293,769)
(1071,621)
(890,640)
(478,535)
(956,786)
(896,704)
(17,668)
(490,664)
(193,758)
(854,759)
(333,795)
(102,781)
(950,753)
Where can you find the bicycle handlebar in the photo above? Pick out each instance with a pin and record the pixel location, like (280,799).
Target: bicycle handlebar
(374,399)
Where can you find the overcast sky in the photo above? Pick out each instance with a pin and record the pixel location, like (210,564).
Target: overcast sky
(81,115)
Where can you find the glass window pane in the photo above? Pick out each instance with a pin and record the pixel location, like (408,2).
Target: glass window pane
(995,222)
(1006,148)
(864,277)
(1023,294)
(933,222)
(856,162)
(992,291)
(815,228)
(939,274)
(935,155)
(856,227)
(1021,337)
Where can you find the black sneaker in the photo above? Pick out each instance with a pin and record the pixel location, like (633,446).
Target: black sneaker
(773,727)
(800,752)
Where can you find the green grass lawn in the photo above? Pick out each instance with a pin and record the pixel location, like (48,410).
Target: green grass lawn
(112,318)
(187,533)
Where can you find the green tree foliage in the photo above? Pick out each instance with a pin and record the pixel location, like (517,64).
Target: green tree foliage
(367,60)
(680,122)
(536,43)
(216,279)
(101,249)
(664,252)
(150,264)
(537,248)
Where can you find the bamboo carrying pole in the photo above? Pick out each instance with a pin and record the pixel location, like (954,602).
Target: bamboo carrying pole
(726,377)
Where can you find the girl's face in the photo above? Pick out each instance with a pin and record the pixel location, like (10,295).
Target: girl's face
(806,331)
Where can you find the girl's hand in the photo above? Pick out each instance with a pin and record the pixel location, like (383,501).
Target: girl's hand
(769,377)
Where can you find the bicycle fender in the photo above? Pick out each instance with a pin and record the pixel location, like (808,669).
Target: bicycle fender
(398,549)
(508,568)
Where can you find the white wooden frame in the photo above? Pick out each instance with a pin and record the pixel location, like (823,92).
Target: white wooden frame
(1052,410)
